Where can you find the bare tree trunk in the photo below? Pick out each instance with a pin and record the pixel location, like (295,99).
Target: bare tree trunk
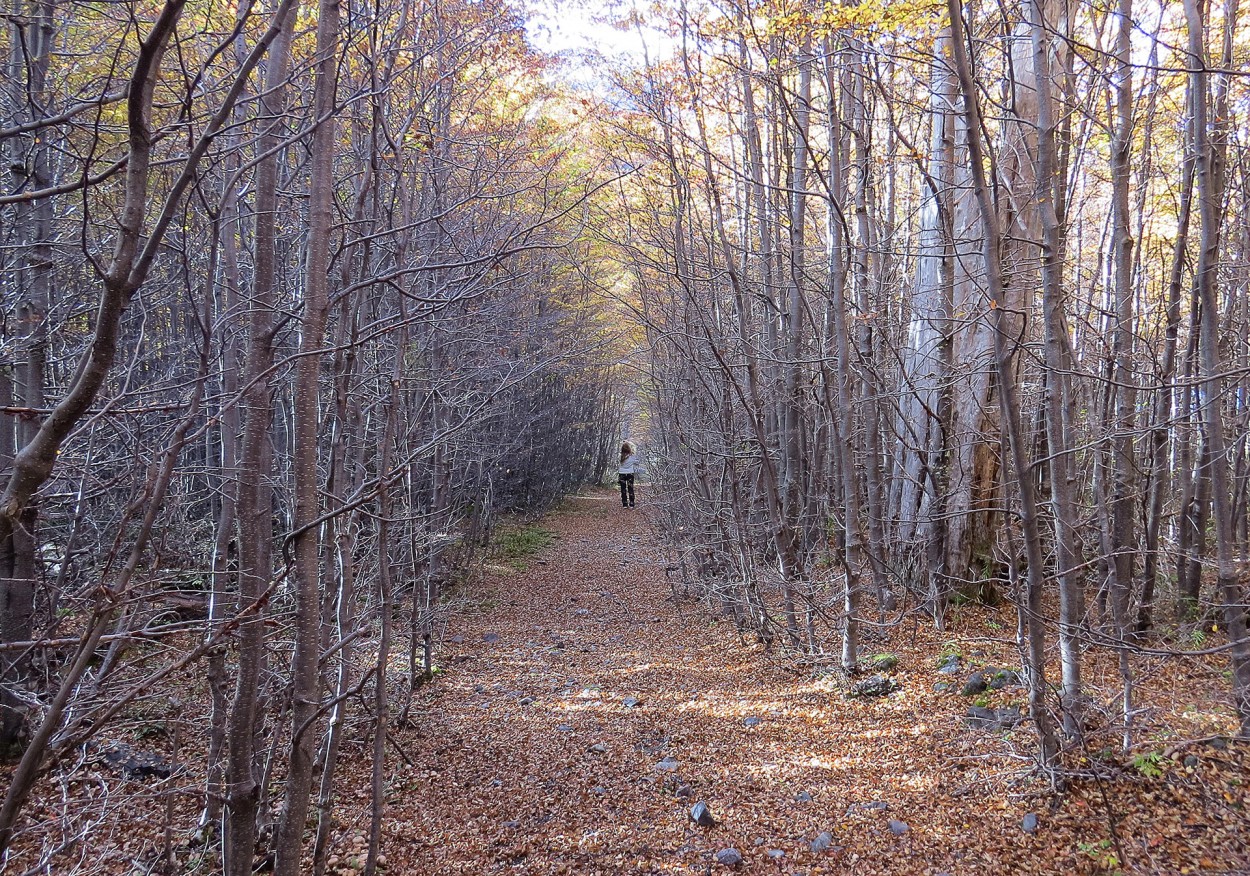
(32,36)
(844,421)
(792,561)
(1165,394)
(864,269)
(1210,169)
(381,702)
(1060,436)
(254,501)
(1017,451)
(1125,485)
(306,684)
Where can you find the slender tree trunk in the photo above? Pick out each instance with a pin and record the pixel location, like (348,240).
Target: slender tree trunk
(1017,450)
(306,684)
(1060,436)
(254,501)
(30,168)
(1165,395)
(843,422)
(1125,482)
(1210,156)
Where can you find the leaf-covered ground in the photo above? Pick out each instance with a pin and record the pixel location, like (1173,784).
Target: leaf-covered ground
(530,754)
(579,714)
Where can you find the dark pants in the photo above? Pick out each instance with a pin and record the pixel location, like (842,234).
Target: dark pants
(627,490)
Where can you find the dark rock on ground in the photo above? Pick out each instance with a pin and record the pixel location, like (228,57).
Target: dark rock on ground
(1029,824)
(701,815)
(135,764)
(884,662)
(950,664)
(667,765)
(630,702)
(802,797)
(982,718)
(898,828)
(872,806)
(822,842)
(1001,678)
(730,857)
(751,721)
(976,684)
(874,686)
(490,638)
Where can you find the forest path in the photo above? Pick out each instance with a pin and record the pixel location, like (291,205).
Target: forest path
(527,757)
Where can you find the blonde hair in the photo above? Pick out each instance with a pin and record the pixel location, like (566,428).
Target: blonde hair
(626,450)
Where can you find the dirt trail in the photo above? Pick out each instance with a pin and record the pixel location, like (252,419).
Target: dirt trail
(528,757)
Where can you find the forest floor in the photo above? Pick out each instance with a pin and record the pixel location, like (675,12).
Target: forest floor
(580,714)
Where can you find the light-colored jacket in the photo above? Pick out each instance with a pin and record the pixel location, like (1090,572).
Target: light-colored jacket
(627,467)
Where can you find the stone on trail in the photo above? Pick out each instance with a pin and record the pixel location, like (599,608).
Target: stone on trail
(598,748)
(950,664)
(630,702)
(490,638)
(752,721)
(526,701)
(776,854)
(667,765)
(730,857)
(898,828)
(802,797)
(701,815)
(1029,825)
(684,792)
(565,728)
(822,843)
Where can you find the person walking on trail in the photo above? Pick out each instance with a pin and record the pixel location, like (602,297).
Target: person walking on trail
(625,474)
